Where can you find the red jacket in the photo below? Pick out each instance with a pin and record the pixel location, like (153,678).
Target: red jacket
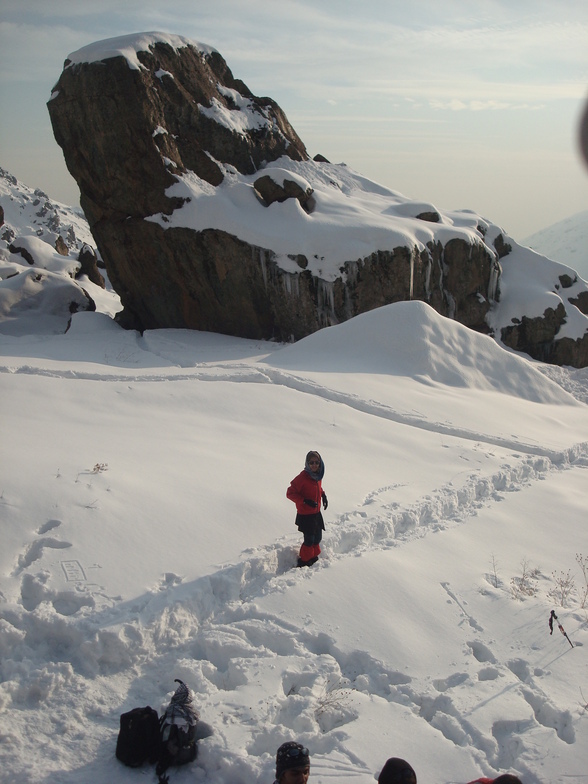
(482,781)
(304,486)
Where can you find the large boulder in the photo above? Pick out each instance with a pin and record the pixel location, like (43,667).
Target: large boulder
(209,214)
(128,127)
(140,115)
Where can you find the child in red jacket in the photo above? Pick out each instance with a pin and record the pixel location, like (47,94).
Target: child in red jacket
(306,491)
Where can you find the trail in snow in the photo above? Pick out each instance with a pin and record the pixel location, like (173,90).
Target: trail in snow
(245,374)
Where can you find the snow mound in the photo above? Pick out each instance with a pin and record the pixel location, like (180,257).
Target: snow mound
(37,300)
(411,339)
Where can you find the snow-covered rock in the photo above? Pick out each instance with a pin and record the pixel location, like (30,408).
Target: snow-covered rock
(40,286)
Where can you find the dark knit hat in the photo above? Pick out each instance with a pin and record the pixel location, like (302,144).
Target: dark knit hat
(291,755)
(397,771)
(507,778)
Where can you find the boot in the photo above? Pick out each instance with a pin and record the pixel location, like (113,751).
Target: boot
(312,561)
(307,556)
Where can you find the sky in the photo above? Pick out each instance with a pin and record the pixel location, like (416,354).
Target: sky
(465,105)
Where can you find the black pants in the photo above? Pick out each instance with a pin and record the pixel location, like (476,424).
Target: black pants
(312,526)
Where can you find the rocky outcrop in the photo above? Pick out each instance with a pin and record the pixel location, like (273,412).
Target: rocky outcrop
(269,191)
(19,249)
(61,247)
(126,132)
(130,129)
(89,266)
(541,337)
(210,215)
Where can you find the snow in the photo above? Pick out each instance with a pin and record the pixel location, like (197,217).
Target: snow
(29,212)
(565,241)
(352,217)
(128,46)
(146,536)
(236,120)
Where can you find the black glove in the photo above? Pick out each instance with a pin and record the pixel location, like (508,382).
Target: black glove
(309,502)
(325,501)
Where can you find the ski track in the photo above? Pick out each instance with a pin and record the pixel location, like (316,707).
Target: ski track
(210,632)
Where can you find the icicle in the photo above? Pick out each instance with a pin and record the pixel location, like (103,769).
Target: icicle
(290,282)
(493,281)
(428,276)
(263,267)
(326,302)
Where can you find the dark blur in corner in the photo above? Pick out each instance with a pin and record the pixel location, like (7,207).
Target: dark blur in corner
(583,134)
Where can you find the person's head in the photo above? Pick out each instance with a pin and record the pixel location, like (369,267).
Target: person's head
(507,778)
(397,771)
(314,464)
(313,459)
(292,763)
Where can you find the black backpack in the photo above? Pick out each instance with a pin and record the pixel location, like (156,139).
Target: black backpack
(138,738)
(177,732)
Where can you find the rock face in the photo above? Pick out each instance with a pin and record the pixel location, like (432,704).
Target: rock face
(210,215)
(127,131)
(538,336)
(89,266)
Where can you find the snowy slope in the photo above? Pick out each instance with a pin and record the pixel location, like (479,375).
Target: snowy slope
(37,285)
(565,241)
(146,536)
(30,212)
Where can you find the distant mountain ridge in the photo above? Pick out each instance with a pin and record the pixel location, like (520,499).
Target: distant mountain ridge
(565,241)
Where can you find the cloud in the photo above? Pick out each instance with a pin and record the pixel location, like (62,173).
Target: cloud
(456,105)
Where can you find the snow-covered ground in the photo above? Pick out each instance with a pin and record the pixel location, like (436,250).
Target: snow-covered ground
(147,537)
